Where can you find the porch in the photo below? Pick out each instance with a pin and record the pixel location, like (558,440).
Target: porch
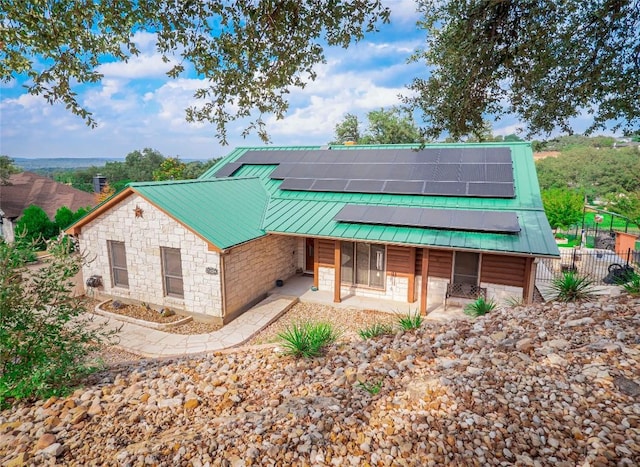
(301,286)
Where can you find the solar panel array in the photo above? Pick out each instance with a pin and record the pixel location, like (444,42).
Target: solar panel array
(472,171)
(450,219)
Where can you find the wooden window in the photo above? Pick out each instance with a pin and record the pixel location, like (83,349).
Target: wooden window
(363,264)
(172,272)
(118,263)
(465,268)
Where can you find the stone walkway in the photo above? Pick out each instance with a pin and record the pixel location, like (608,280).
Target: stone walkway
(153,343)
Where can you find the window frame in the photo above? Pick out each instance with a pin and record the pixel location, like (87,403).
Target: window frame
(352,278)
(166,278)
(455,262)
(114,268)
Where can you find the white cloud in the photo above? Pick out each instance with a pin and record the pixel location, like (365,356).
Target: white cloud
(402,11)
(141,66)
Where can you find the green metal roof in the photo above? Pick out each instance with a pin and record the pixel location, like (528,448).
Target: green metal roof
(226,212)
(311,213)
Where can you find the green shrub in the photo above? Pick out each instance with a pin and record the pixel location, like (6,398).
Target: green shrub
(480,307)
(307,340)
(44,340)
(371,388)
(571,287)
(632,286)
(410,321)
(375,330)
(35,227)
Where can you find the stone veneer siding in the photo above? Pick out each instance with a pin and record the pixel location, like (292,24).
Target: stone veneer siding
(143,237)
(251,270)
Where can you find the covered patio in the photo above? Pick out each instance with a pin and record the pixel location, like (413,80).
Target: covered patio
(301,286)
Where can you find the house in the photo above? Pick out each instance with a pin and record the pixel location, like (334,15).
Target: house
(27,188)
(419,225)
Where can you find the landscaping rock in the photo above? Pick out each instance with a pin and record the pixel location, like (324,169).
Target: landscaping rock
(516,387)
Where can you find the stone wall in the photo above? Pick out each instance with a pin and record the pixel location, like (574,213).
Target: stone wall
(436,292)
(143,237)
(251,270)
(502,294)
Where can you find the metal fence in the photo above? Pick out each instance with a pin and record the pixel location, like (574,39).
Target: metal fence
(601,265)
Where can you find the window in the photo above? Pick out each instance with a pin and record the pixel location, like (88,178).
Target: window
(118,262)
(172,272)
(363,264)
(465,269)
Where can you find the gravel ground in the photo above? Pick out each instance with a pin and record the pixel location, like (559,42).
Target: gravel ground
(545,385)
(347,321)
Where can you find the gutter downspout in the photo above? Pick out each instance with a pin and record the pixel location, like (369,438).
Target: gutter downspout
(223,286)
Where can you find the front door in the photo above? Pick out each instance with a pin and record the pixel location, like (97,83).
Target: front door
(308,255)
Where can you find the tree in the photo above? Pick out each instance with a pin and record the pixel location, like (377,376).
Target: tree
(562,207)
(140,165)
(65,217)
(106,193)
(625,204)
(347,130)
(44,337)
(251,53)
(35,227)
(172,168)
(548,61)
(7,168)
(393,126)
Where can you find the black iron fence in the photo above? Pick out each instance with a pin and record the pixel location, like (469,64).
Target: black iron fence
(602,265)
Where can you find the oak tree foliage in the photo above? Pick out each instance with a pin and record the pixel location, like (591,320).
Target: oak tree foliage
(384,126)
(545,62)
(249,52)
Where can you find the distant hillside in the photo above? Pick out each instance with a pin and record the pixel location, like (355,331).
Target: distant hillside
(67,163)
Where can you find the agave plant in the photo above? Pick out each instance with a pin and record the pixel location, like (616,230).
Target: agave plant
(571,287)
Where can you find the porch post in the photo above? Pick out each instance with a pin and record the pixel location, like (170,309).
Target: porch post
(411,290)
(425,281)
(529,280)
(337,263)
(316,264)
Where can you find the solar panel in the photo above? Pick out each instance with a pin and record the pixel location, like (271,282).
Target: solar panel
(491,190)
(472,172)
(228,170)
(445,188)
(499,173)
(403,187)
(458,171)
(365,186)
(296,184)
(329,185)
(448,219)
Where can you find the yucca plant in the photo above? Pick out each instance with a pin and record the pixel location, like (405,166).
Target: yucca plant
(410,321)
(376,329)
(632,286)
(571,287)
(480,307)
(307,340)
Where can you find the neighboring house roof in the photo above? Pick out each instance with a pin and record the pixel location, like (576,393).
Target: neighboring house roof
(223,212)
(27,188)
(448,195)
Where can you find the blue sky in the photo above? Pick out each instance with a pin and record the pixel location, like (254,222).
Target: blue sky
(137,106)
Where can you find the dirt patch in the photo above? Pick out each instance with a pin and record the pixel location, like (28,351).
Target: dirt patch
(145,313)
(347,321)
(142,312)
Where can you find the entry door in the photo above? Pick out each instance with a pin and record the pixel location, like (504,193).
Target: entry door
(308,256)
